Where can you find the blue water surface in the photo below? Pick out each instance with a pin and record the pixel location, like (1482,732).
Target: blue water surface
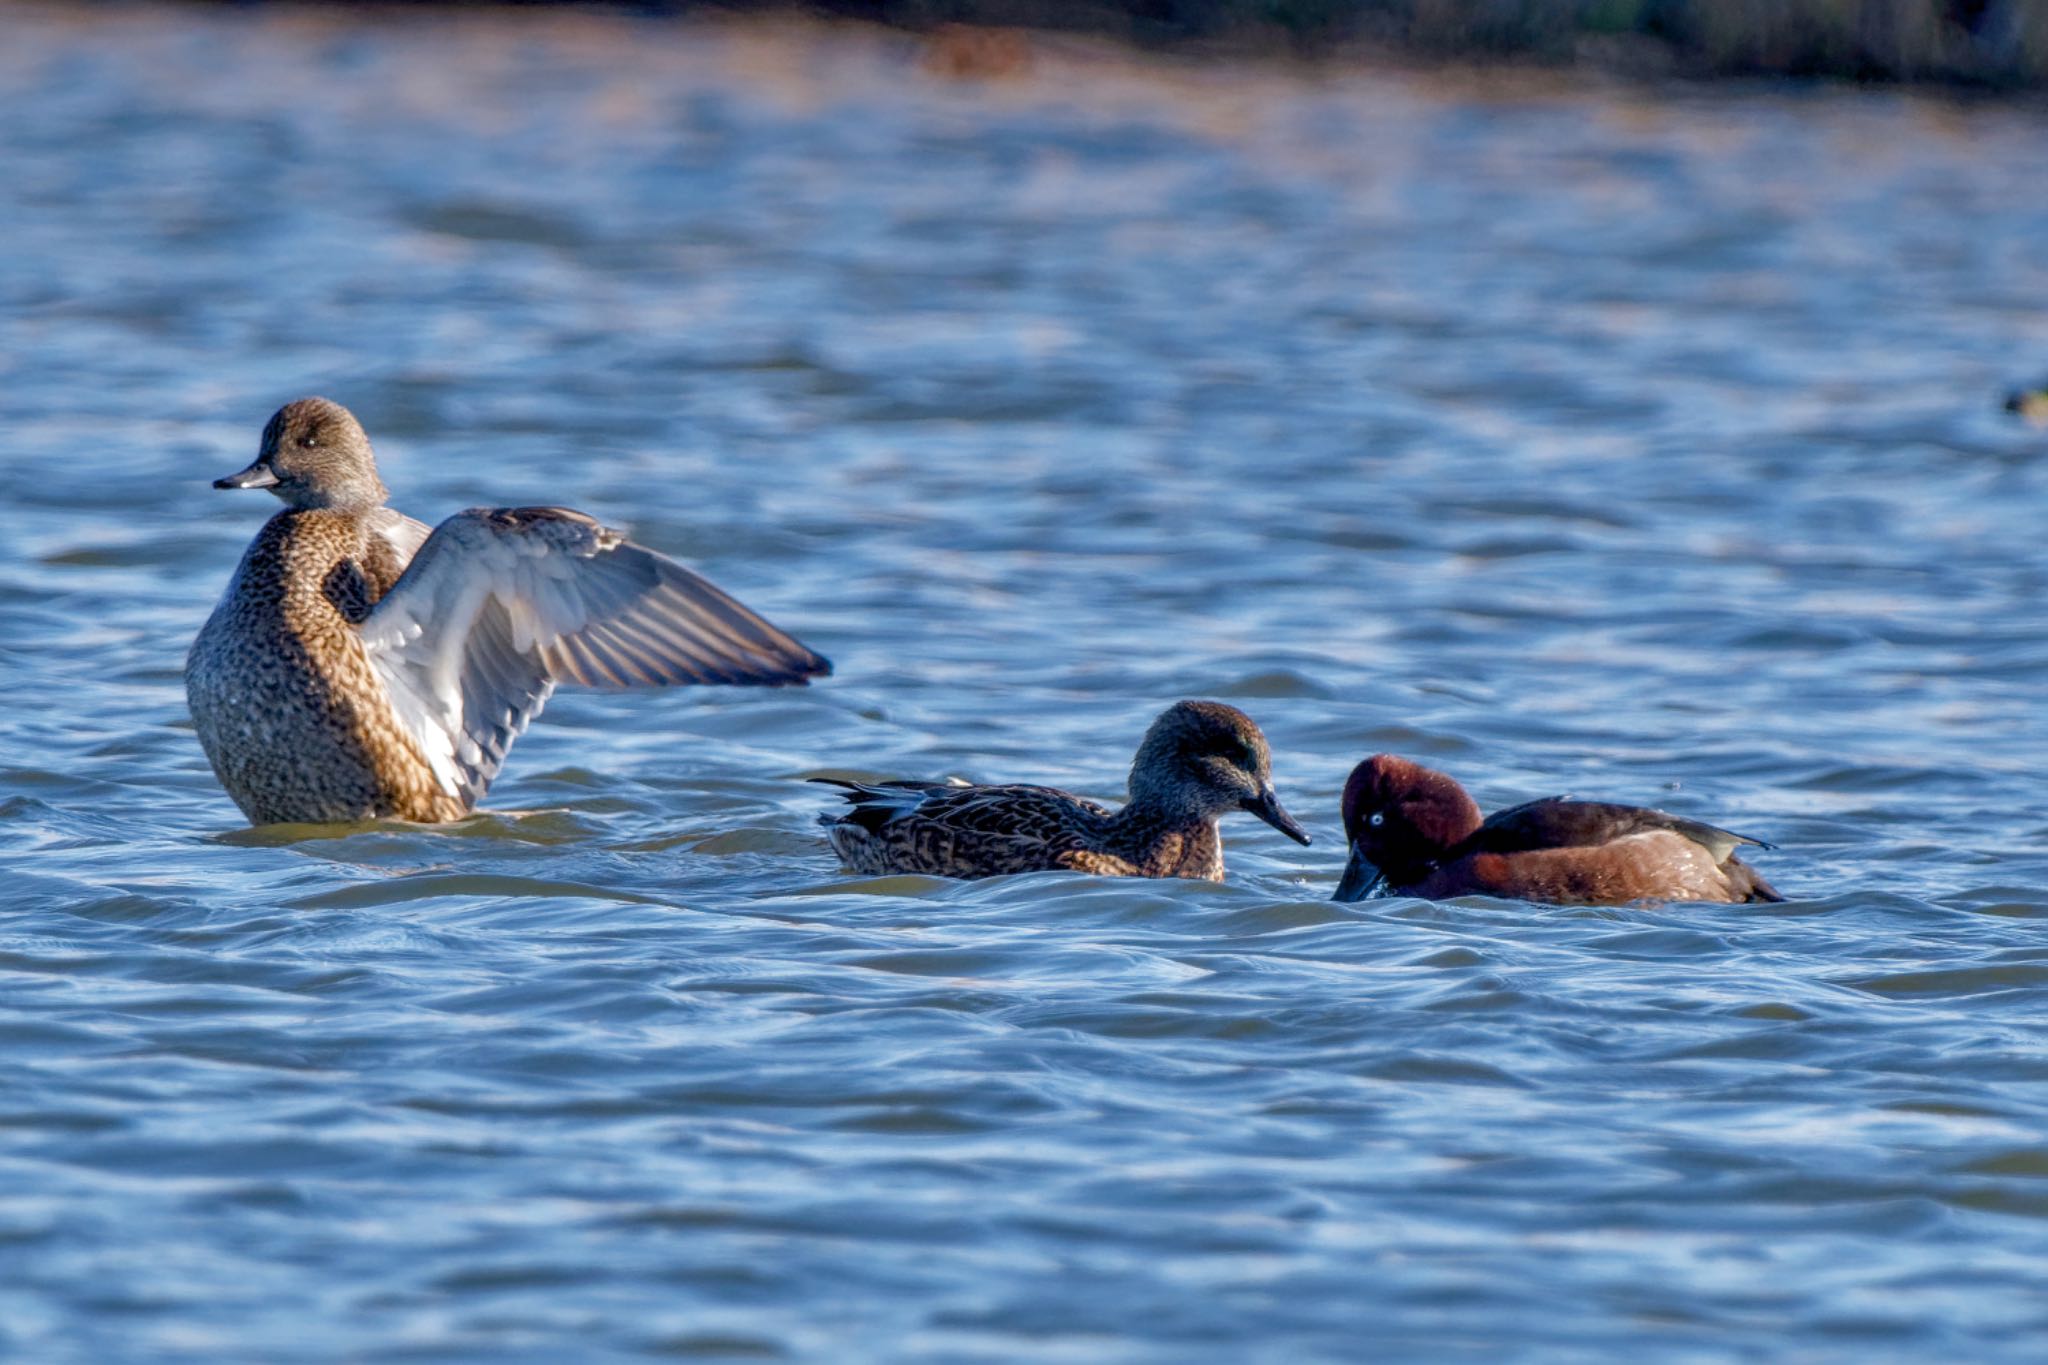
(1634,442)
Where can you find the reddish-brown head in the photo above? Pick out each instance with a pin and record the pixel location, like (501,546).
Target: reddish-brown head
(1399,817)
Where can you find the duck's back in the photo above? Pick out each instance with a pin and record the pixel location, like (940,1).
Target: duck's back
(1597,853)
(291,714)
(953,830)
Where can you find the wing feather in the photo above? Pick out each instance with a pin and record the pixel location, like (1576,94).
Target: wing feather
(400,532)
(1031,813)
(1557,822)
(499,605)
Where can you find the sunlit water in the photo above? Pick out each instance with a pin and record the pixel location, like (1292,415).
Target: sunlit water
(1635,444)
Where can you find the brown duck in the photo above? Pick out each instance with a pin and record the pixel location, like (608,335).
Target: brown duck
(362,666)
(1199,760)
(1418,833)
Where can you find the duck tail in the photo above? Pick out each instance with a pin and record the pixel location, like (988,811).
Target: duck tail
(875,803)
(852,791)
(1747,880)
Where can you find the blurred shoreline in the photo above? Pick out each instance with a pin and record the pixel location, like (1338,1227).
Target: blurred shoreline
(1984,45)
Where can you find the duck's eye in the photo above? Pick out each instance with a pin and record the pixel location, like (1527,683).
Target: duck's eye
(309,440)
(1379,817)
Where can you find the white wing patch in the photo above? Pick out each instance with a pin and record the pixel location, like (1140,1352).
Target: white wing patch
(501,604)
(400,531)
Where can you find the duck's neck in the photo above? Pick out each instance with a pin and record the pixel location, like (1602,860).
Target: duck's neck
(1164,842)
(1432,843)
(1410,868)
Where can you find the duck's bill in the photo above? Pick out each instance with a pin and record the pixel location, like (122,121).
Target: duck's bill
(1360,878)
(258,475)
(1266,805)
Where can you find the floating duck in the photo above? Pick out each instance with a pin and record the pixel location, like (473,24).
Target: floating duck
(1416,832)
(361,666)
(1200,760)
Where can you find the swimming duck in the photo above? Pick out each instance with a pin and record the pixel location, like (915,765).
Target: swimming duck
(1417,832)
(1199,760)
(361,666)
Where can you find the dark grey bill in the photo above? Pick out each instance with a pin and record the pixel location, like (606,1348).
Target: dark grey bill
(1266,805)
(1360,878)
(258,475)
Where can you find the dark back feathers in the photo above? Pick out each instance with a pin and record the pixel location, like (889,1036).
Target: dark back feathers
(1555,822)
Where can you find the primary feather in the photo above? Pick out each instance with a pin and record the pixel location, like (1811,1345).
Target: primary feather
(500,604)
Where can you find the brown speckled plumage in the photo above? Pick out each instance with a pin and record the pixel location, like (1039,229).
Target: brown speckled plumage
(1197,761)
(293,718)
(359,666)
(1418,833)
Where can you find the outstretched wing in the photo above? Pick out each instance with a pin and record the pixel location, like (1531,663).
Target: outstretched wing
(1555,822)
(500,604)
(400,532)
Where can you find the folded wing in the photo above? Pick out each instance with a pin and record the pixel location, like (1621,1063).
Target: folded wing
(1025,812)
(500,604)
(1557,823)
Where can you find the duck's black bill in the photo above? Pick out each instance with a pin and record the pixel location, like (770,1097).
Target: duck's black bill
(1360,878)
(258,475)
(1266,805)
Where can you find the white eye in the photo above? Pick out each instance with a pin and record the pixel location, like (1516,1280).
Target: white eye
(1378,818)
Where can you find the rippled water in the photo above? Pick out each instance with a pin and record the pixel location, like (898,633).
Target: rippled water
(1636,444)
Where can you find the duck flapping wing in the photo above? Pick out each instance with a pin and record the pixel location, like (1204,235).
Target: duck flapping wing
(500,604)
(400,532)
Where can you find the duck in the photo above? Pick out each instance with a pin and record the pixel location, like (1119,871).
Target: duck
(362,666)
(1197,762)
(1416,832)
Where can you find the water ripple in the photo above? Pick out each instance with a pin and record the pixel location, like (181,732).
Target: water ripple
(1638,444)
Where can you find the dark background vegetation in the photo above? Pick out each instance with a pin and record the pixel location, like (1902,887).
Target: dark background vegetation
(1992,43)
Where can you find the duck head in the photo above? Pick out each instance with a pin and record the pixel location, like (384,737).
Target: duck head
(1399,817)
(1204,758)
(314,454)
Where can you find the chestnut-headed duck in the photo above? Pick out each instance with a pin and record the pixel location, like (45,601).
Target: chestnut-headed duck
(1416,832)
(361,666)
(1199,760)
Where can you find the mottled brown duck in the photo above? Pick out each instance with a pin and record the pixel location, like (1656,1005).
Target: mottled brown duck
(1416,832)
(362,666)
(1199,760)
